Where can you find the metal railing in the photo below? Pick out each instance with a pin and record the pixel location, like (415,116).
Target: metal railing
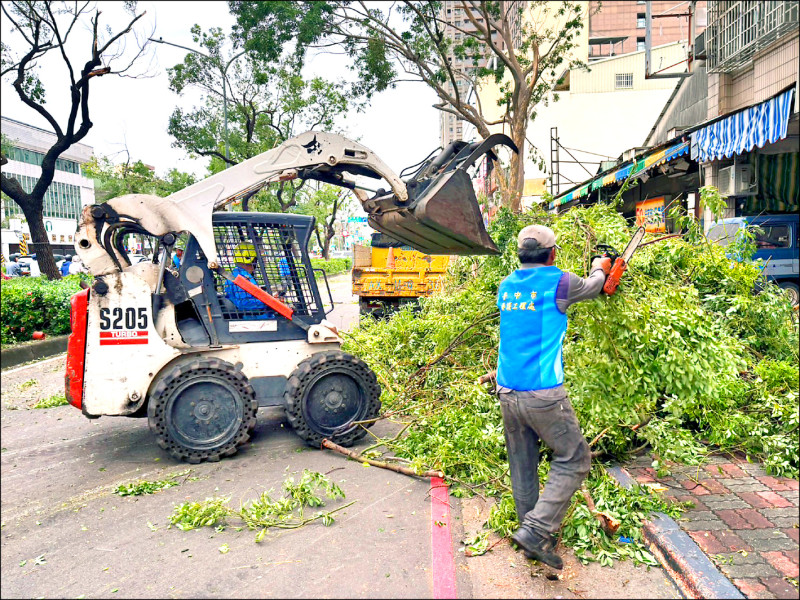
(738,29)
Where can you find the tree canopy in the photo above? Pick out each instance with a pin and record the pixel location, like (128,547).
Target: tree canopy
(112,180)
(522,47)
(267,101)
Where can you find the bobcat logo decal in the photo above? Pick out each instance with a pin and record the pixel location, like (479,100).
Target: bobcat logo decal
(313,146)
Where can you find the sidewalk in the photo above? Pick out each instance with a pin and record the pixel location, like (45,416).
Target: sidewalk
(745,521)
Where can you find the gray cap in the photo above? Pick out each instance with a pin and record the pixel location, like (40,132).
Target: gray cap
(544,236)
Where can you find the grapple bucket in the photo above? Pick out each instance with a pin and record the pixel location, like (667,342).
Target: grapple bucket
(444,219)
(441,215)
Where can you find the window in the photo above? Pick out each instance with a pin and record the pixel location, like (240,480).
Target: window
(640,43)
(723,233)
(623,81)
(61,200)
(640,21)
(773,236)
(35,158)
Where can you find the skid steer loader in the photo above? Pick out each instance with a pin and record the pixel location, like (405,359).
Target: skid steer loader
(241,323)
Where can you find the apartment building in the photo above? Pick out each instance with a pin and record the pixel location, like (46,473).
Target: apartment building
(64,199)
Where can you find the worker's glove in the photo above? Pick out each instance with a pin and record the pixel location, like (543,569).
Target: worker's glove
(603,263)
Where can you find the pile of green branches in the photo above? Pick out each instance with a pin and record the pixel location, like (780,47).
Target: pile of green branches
(688,357)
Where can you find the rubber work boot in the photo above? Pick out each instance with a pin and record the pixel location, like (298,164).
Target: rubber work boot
(537,546)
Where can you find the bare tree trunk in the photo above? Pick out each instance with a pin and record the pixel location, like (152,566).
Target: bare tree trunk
(40,245)
(326,247)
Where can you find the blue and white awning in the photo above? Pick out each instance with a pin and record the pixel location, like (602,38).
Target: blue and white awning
(765,123)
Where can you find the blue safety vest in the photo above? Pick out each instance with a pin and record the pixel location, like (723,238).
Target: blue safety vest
(532,330)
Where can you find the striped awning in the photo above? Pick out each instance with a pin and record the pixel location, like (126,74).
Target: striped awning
(631,169)
(765,123)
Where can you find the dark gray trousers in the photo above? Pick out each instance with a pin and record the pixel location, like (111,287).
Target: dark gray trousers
(529,417)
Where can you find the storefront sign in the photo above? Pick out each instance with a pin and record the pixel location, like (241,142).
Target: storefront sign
(650,215)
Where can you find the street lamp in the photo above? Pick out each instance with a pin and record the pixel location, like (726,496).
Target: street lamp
(224,85)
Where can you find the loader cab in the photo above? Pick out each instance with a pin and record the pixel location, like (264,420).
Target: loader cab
(276,246)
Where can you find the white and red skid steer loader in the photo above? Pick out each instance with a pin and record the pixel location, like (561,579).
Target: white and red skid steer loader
(240,323)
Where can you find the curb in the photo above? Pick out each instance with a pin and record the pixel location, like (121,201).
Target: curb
(33,350)
(687,565)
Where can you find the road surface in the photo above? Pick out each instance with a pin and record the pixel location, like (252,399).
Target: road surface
(66,534)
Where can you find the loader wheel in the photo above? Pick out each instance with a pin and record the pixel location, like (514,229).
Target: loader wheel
(328,392)
(202,410)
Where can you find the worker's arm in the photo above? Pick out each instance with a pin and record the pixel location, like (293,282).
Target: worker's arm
(572,289)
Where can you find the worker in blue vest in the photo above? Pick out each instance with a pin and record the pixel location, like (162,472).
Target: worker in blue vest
(533,302)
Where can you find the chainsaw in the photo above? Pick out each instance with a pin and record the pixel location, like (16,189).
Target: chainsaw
(619,263)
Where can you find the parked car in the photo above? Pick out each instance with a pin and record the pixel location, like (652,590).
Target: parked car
(341,254)
(29,266)
(776,244)
(137,258)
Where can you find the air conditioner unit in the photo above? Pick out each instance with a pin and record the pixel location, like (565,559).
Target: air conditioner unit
(736,180)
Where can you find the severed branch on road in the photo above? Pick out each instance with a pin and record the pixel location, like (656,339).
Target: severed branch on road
(377,463)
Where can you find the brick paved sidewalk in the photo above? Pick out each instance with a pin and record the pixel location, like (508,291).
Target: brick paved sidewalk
(745,521)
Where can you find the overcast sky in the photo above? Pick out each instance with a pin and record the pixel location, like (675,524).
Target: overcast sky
(400,125)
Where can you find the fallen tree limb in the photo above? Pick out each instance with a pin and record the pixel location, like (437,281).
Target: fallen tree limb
(377,463)
(609,524)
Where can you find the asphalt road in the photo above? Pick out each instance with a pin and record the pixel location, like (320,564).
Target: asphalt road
(66,534)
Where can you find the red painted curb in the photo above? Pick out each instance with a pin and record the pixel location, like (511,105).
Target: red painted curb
(443,565)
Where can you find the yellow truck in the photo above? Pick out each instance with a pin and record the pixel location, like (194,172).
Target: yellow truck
(388,275)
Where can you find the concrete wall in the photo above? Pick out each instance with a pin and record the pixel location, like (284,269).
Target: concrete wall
(773,69)
(688,107)
(601,75)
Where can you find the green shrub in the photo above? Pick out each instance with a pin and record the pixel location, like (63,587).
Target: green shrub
(31,304)
(332,266)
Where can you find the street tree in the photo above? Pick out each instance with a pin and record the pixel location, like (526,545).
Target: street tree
(41,30)
(326,203)
(267,103)
(523,47)
(132,177)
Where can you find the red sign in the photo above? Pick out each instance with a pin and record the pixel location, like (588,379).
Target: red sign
(124,337)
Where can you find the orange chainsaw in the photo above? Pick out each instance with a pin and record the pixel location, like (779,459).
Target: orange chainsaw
(619,264)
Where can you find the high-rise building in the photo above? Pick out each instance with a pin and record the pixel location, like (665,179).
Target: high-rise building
(618,26)
(64,199)
(452,127)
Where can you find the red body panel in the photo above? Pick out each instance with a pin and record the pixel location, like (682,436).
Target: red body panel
(76,348)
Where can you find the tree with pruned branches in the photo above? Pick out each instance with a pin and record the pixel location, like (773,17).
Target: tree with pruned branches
(41,30)
(523,47)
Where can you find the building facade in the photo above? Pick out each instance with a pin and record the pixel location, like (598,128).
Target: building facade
(618,26)
(733,124)
(64,199)
(451,127)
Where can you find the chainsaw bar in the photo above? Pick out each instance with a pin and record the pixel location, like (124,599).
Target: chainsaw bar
(633,245)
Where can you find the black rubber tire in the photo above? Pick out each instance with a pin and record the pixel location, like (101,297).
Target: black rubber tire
(387,307)
(792,291)
(233,424)
(358,402)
